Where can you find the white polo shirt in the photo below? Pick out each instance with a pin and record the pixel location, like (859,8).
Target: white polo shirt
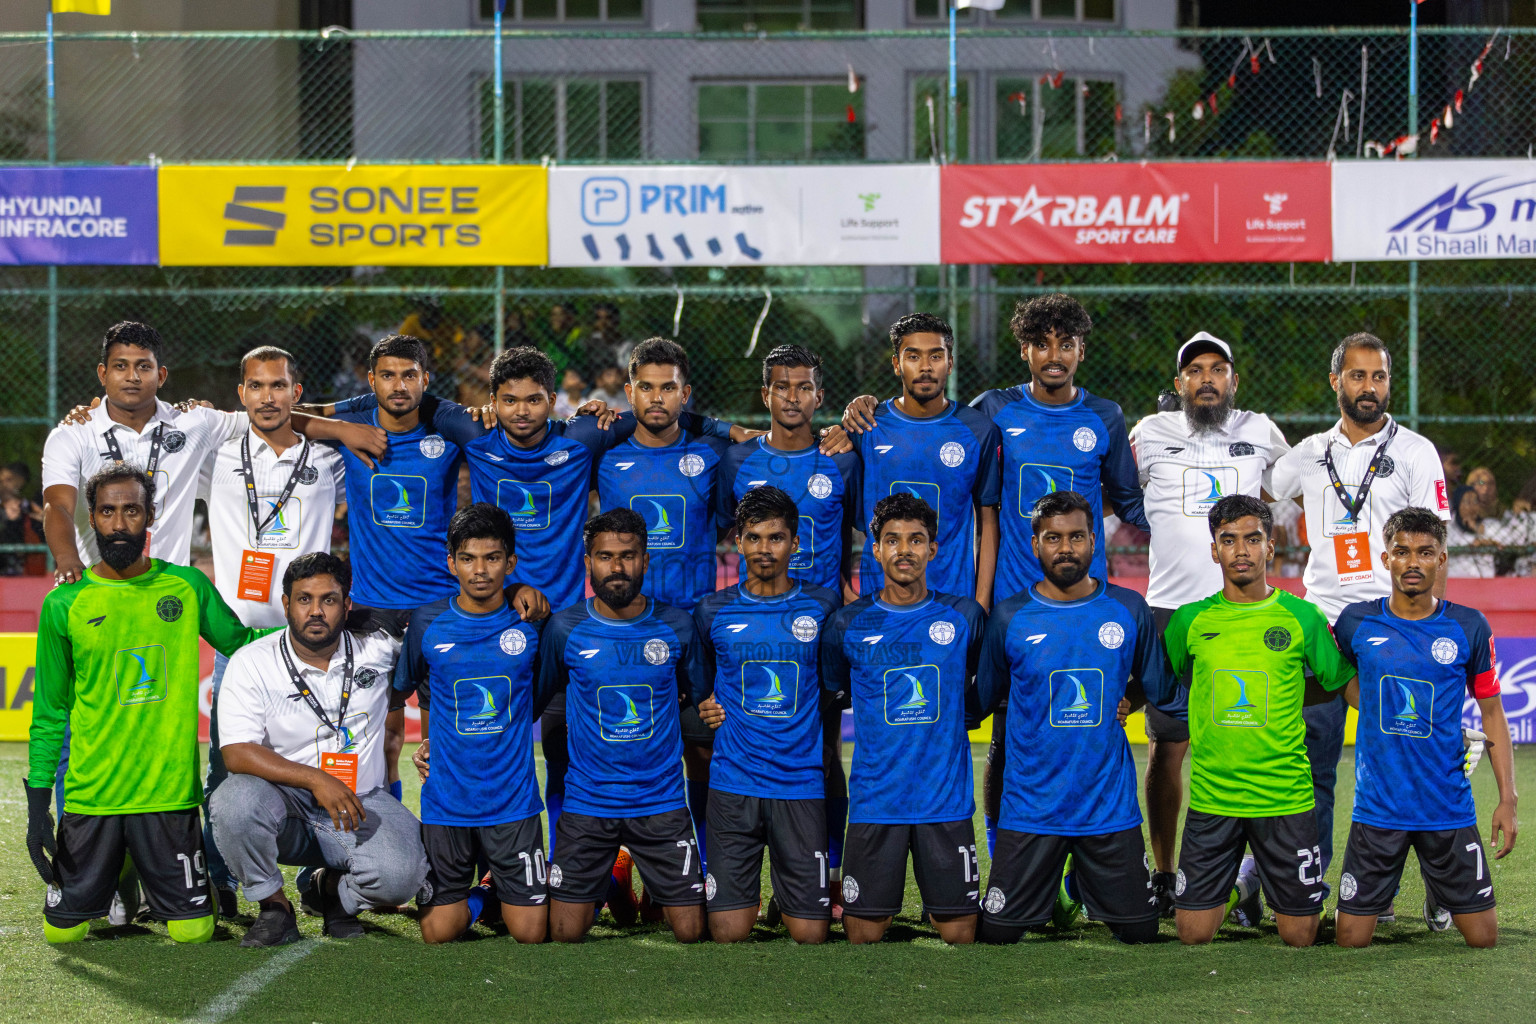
(303,524)
(1183,473)
(258,703)
(75,452)
(1410,475)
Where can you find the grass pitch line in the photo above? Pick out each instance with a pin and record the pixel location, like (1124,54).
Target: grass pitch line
(229,1002)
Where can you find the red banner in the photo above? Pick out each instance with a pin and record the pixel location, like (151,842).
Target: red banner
(1136,213)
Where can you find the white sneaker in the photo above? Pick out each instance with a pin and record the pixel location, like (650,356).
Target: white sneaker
(1436,917)
(117,913)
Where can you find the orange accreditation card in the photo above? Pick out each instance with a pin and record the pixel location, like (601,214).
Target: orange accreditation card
(256,569)
(342,767)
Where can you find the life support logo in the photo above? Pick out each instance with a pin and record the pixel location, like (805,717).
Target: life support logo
(1443,650)
(433,446)
(995,901)
(1111,635)
(690,465)
(819,486)
(556,876)
(952,453)
(850,890)
(657,652)
(1348,886)
(942,632)
(513,642)
(1084,439)
(709,886)
(805,629)
(558,458)
(174,441)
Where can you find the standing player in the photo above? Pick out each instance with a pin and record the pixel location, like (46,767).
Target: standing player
(1246,649)
(1417,657)
(473,659)
(1065,652)
(117,663)
(1189,459)
(907,656)
(623,660)
(759,641)
(1350,478)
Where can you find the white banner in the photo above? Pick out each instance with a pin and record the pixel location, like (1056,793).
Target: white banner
(1434,210)
(857,215)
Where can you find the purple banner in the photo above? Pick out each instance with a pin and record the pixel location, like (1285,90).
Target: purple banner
(1517,679)
(89,215)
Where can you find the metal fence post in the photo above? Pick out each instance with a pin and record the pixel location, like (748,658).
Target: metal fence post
(53,271)
(1413,345)
(498,91)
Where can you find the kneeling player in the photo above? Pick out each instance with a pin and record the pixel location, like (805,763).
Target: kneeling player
(1062,653)
(473,659)
(907,656)
(623,661)
(1416,655)
(759,642)
(1250,783)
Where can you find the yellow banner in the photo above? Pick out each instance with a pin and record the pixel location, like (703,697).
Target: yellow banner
(421,215)
(82,6)
(18,653)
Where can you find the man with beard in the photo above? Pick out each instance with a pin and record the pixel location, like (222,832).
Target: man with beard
(1187,461)
(117,662)
(300,719)
(623,661)
(1064,653)
(1350,479)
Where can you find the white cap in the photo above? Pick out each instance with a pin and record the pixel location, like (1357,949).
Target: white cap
(1199,345)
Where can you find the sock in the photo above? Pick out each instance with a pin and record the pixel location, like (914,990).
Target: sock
(698,804)
(397,790)
(991,824)
(837,826)
(554,800)
(1069,883)
(476,900)
(1232,901)
(199,929)
(57,935)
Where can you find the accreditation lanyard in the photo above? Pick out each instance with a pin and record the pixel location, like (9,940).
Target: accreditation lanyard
(309,695)
(154,448)
(1355,508)
(249,475)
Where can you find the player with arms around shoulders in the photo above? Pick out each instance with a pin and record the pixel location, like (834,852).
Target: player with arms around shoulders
(1417,656)
(907,657)
(1246,649)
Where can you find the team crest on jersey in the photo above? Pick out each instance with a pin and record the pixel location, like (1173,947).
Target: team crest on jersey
(690,464)
(556,876)
(850,890)
(952,453)
(308,475)
(995,901)
(513,642)
(54,895)
(709,886)
(174,441)
(1111,635)
(1348,886)
(1179,884)
(942,632)
(433,446)
(1277,638)
(169,608)
(557,458)
(1084,439)
(804,628)
(819,485)
(1387,466)
(365,678)
(1240,448)
(657,652)
(1443,650)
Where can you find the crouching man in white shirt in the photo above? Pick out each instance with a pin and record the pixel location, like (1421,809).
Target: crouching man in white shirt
(301,726)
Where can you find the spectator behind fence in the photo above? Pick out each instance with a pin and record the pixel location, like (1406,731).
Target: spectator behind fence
(21,521)
(567,337)
(606,345)
(472,366)
(1450,465)
(568,399)
(610,389)
(1467,529)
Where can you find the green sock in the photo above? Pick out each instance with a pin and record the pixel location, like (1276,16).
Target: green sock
(57,936)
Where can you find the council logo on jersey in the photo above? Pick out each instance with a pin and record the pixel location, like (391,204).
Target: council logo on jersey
(1444,650)
(657,651)
(1083,439)
(399,502)
(942,632)
(912,695)
(952,453)
(666,519)
(1111,635)
(1238,449)
(770,689)
(557,458)
(995,901)
(174,441)
(169,608)
(513,642)
(805,628)
(1348,886)
(1077,697)
(482,705)
(433,446)
(138,674)
(625,712)
(365,678)
(1037,479)
(1407,706)
(527,503)
(1240,699)
(690,464)
(1277,638)
(819,486)
(1386,467)
(283,531)
(309,475)
(1203,488)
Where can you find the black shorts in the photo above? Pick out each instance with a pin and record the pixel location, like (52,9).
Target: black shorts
(1160,725)
(795,835)
(515,852)
(695,732)
(1110,871)
(1284,847)
(943,859)
(167,850)
(1456,875)
(662,846)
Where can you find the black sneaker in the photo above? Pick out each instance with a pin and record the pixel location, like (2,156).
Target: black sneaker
(338,924)
(229,903)
(1163,883)
(275,926)
(309,882)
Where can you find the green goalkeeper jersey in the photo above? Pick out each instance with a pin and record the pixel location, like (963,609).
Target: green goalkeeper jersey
(1247,737)
(118,661)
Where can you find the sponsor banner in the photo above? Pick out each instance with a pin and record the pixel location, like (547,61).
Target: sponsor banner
(451,215)
(1434,210)
(80,215)
(861,215)
(1136,213)
(1515,659)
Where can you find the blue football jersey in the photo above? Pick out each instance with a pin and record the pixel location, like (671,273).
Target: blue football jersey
(474,675)
(910,673)
(825,488)
(950,461)
(673,489)
(398,511)
(1414,675)
(1062,668)
(760,661)
(623,683)
(1082,447)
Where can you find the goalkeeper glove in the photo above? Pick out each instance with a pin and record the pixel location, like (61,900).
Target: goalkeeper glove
(1475,742)
(40,842)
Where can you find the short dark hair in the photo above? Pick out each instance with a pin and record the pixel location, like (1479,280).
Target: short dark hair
(270,353)
(1361,340)
(761,504)
(615,520)
(921,323)
(131,332)
(1235,506)
(21,469)
(793,355)
(659,352)
(1413,519)
(317,563)
(903,506)
(1056,313)
(117,472)
(398,346)
(524,362)
(1060,503)
(481,521)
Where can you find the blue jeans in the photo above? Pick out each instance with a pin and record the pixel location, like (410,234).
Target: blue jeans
(218,871)
(1325,745)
